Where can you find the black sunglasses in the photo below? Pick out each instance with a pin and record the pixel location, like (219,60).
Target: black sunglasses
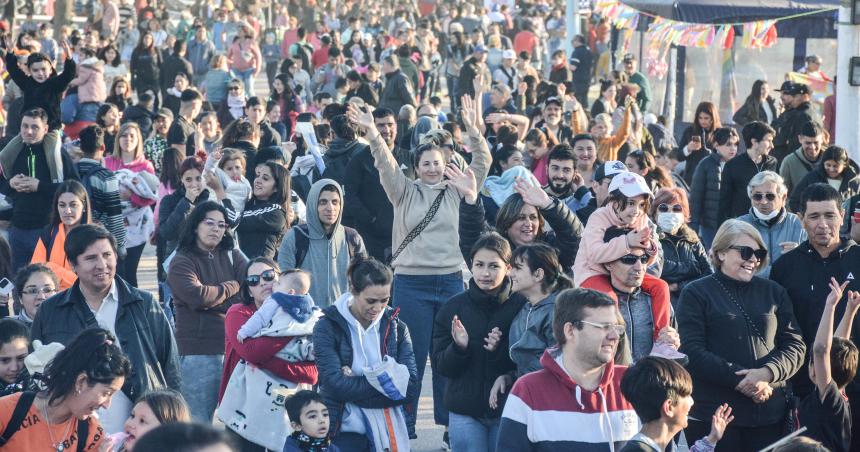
(747,252)
(267,276)
(676,208)
(631,259)
(760,196)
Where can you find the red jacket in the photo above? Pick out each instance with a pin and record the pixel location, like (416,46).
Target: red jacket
(259,351)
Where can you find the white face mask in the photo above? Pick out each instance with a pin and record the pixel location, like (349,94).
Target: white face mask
(767,217)
(670,221)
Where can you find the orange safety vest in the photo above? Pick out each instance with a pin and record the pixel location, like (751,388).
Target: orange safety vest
(56,259)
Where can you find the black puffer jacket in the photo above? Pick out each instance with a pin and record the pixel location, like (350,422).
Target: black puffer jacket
(684,259)
(719,340)
(142,329)
(337,157)
(737,173)
(333,348)
(705,193)
(564,237)
(849,187)
(472,372)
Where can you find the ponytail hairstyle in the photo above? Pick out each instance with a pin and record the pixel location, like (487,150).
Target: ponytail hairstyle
(492,241)
(93,353)
(363,273)
(542,256)
(167,405)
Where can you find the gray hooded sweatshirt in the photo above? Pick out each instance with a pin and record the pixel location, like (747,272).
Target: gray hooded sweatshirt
(327,257)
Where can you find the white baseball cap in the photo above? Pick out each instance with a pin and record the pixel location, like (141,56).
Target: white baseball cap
(630,185)
(509,54)
(608,169)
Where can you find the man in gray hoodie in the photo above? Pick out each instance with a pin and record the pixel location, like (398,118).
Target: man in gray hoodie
(322,247)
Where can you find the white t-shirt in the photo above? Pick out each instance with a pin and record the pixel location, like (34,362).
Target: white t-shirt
(113,418)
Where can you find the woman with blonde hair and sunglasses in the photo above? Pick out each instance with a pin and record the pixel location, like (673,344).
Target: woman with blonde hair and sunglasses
(742,340)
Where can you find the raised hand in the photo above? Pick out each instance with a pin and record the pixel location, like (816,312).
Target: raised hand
(853,299)
(836,291)
(532,193)
(468,113)
(719,421)
(362,118)
(478,85)
(464,182)
(459,333)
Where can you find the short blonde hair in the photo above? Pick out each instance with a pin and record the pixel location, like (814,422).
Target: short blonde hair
(728,234)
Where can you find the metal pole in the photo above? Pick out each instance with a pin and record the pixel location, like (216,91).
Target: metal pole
(847,97)
(572,24)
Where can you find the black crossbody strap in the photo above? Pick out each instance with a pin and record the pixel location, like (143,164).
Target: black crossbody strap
(83,434)
(420,226)
(21,409)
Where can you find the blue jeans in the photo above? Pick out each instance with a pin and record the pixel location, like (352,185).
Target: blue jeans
(471,434)
(247,77)
(420,297)
(201,379)
(22,242)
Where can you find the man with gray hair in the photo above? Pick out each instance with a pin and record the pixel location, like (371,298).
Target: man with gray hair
(780,229)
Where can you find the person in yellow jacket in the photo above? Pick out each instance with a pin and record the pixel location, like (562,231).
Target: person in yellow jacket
(600,127)
(71,208)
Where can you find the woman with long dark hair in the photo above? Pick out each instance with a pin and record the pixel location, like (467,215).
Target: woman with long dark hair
(71,208)
(606,103)
(758,106)
(698,138)
(264,221)
(204,279)
(834,168)
(81,379)
(644,164)
(145,66)
(290,103)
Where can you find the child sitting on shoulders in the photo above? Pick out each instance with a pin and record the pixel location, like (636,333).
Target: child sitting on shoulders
(660,391)
(626,208)
(288,312)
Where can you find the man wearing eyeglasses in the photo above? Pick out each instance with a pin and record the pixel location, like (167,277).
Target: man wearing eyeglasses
(567,404)
(101,299)
(805,273)
(780,229)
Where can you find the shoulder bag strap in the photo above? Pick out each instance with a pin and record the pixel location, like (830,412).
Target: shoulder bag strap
(420,226)
(21,409)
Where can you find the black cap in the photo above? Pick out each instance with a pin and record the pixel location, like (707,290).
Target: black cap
(629,57)
(798,88)
(786,85)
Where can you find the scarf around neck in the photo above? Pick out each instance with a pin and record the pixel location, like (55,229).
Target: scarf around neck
(308,444)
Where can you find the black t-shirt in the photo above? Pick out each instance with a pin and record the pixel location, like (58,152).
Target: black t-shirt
(182,132)
(827,420)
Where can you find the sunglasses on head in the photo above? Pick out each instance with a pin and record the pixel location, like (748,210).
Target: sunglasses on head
(631,259)
(747,252)
(760,196)
(267,276)
(676,208)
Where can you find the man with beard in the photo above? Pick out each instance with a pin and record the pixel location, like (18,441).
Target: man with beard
(564,182)
(552,116)
(806,271)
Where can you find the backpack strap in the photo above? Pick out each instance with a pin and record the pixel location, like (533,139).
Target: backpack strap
(302,244)
(18,415)
(83,434)
(353,242)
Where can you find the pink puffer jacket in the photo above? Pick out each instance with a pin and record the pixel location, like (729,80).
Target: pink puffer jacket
(90,81)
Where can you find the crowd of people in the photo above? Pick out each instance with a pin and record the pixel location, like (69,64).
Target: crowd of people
(340,194)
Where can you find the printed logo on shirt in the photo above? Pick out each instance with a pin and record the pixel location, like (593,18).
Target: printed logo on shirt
(850,276)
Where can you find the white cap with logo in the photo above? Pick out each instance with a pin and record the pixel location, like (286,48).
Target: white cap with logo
(630,185)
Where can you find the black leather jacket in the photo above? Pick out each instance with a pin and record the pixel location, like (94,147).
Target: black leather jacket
(142,329)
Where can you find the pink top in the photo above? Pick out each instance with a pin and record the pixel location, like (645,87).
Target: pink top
(244,56)
(137,165)
(539,169)
(594,252)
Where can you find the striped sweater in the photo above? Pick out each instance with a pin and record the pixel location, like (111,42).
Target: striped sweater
(104,197)
(548,411)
